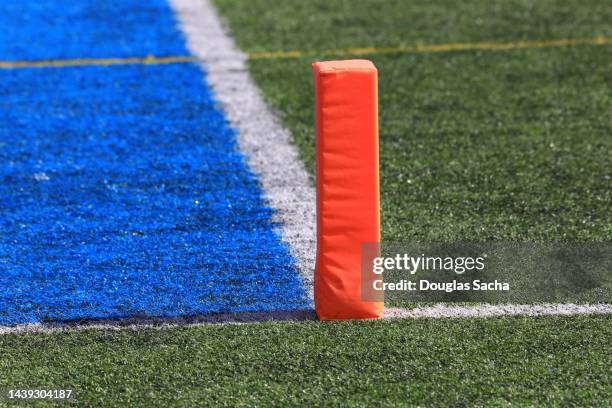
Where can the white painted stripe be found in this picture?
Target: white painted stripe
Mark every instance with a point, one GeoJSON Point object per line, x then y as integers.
{"type": "Point", "coordinates": [439, 311]}
{"type": "Point", "coordinates": [489, 310]}
{"type": "Point", "coordinates": [160, 322]}
{"type": "Point", "coordinates": [263, 141]}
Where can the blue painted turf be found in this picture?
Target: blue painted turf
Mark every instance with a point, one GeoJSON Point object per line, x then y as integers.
{"type": "Point", "coordinates": [122, 192]}
{"type": "Point", "coordinates": [49, 29]}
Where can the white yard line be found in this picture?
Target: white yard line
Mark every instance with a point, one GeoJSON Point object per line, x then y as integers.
{"type": "Point", "coordinates": [488, 310]}
{"type": "Point", "coordinates": [161, 322]}
{"type": "Point", "coordinates": [263, 141]}
{"type": "Point", "coordinates": [440, 311]}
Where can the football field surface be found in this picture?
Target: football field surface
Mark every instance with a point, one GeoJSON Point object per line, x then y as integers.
{"type": "Point", "coordinates": [123, 191]}
{"type": "Point", "coordinates": [135, 198]}
{"type": "Point", "coordinates": [476, 143]}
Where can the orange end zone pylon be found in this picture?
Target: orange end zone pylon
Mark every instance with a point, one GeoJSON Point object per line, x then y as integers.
{"type": "Point", "coordinates": [348, 204]}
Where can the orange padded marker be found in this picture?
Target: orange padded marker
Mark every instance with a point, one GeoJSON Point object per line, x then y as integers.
{"type": "Point", "coordinates": [348, 204]}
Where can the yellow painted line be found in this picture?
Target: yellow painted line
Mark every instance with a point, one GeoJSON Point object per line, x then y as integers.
{"type": "Point", "coordinates": [427, 48]}
{"type": "Point", "coordinates": [402, 49]}
{"type": "Point", "coordinates": [150, 60]}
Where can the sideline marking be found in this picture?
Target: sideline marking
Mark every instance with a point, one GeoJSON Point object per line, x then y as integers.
{"type": "Point", "coordinates": [442, 310]}
{"type": "Point", "coordinates": [438, 311]}
{"type": "Point", "coordinates": [432, 48]}
{"type": "Point", "coordinates": [103, 62]}
{"type": "Point", "coordinates": [259, 55]}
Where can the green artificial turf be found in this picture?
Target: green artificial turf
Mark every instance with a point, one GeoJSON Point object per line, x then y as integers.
{"type": "Point", "coordinates": [446, 362]}
{"type": "Point", "coordinates": [475, 145]}
{"type": "Point", "coordinates": [269, 25]}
